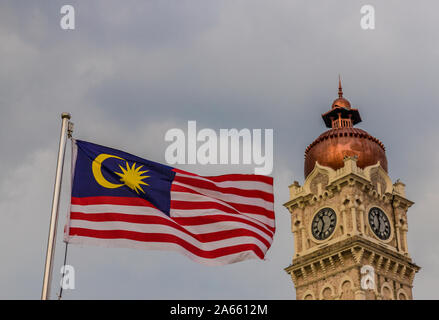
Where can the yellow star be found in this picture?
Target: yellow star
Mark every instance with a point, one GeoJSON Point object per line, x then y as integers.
{"type": "Point", "coordinates": [132, 177]}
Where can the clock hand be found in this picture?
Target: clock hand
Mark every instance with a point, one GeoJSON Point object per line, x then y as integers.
{"type": "Point", "coordinates": [321, 226]}
{"type": "Point", "coordinates": [327, 223]}
{"type": "Point", "coordinates": [381, 220]}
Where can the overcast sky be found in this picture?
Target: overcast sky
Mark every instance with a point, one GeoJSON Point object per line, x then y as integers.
{"type": "Point", "coordinates": [131, 70]}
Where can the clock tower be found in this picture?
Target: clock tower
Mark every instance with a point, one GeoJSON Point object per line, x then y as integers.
{"type": "Point", "coordinates": [348, 219]}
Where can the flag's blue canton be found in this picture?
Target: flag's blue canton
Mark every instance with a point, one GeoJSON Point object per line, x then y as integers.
{"type": "Point", "coordinates": [85, 184]}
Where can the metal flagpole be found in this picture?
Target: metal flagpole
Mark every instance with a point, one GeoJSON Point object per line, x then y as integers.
{"type": "Point", "coordinates": [45, 294]}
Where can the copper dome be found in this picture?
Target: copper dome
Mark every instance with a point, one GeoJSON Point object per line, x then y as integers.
{"type": "Point", "coordinates": [341, 103]}
{"type": "Point", "coordinates": [332, 146]}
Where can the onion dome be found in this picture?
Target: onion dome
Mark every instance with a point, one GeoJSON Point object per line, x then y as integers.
{"type": "Point", "coordinates": [330, 148]}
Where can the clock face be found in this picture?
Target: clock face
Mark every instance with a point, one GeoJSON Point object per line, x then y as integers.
{"type": "Point", "coordinates": [323, 224]}
{"type": "Point", "coordinates": [379, 223]}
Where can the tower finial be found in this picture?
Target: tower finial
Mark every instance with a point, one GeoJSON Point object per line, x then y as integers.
{"type": "Point", "coordinates": [340, 90]}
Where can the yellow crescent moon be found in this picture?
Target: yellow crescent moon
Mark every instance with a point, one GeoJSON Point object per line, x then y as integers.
{"type": "Point", "coordinates": [97, 172]}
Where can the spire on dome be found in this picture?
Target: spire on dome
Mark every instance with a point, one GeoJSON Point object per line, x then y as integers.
{"type": "Point", "coordinates": [340, 89]}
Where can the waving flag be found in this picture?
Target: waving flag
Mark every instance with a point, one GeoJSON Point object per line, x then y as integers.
{"type": "Point", "coordinates": [121, 200]}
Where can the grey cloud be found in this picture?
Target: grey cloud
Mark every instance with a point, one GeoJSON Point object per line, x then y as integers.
{"type": "Point", "coordinates": [134, 69]}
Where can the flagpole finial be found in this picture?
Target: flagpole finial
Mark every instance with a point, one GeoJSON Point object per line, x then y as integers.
{"type": "Point", "coordinates": [65, 115]}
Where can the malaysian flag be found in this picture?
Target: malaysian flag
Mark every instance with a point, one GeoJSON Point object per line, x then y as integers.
{"type": "Point", "coordinates": [121, 200]}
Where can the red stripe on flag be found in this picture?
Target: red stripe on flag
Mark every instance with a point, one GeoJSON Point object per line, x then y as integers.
{"type": "Point", "coordinates": [203, 220]}
{"type": "Point", "coordinates": [237, 208]}
{"type": "Point", "coordinates": [124, 201]}
{"type": "Point", "coordinates": [241, 177]}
